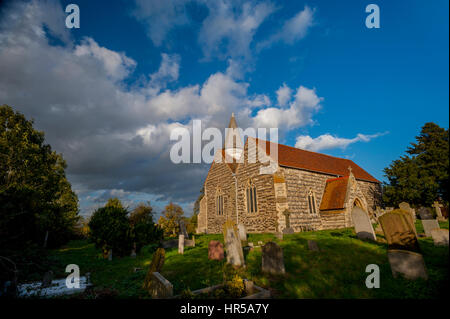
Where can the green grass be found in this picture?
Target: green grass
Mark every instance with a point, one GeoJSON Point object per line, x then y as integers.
{"type": "Point", "coordinates": [336, 271]}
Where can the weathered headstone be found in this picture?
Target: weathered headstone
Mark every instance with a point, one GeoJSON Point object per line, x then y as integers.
{"type": "Point", "coordinates": [429, 225]}
{"type": "Point", "coordinates": [279, 235]}
{"type": "Point", "coordinates": [160, 287]}
{"type": "Point", "coordinates": [133, 251]}
{"type": "Point", "coordinates": [437, 208]}
{"type": "Point", "coordinates": [363, 226]}
{"type": "Point", "coordinates": [409, 264]}
{"type": "Point", "coordinates": [233, 246]}
{"type": "Point", "coordinates": [440, 237]}
{"type": "Point", "coordinates": [425, 213]}
{"type": "Point", "coordinates": [183, 230]}
{"type": "Point", "coordinates": [47, 280]}
{"type": "Point", "coordinates": [288, 229]}
{"type": "Point", "coordinates": [399, 231]}
{"type": "Point", "coordinates": [406, 207]}
{"type": "Point", "coordinates": [215, 250]}
{"type": "Point", "coordinates": [155, 266]}
{"type": "Point", "coordinates": [181, 244]}
{"type": "Point", "coordinates": [312, 245]}
{"type": "Point", "coordinates": [110, 252]}
{"type": "Point", "coordinates": [242, 232]}
{"type": "Point", "coordinates": [190, 242]}
{"type": "Point", "coordinates": [272, 259]}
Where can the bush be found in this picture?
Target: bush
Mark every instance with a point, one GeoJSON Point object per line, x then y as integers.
{"type": "Point", "coordinates": [144, 230]}
{"type": "Point", "coordinates": [110, 229]}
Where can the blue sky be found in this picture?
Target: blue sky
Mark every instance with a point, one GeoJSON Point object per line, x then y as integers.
{"type": "Point", "coordinates": [382, 84]}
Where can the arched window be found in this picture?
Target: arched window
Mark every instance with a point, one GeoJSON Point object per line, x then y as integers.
{"type": "Point", "coordinates": [252, 202]}
{"type": "Point", "coordinates": [219, 203]}
{"type": "Point", "coordinates": [311, 203]}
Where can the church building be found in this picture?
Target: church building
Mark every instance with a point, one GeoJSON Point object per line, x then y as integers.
{"type": "Point", "coordinates": [302, 190]}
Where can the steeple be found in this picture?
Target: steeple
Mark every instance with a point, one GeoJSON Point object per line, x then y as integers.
{"type": "Point", "coordinates": [233, 141]}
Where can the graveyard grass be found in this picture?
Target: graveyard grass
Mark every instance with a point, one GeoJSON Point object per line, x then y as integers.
{"type": "Point", "coordinates": [336, 271]}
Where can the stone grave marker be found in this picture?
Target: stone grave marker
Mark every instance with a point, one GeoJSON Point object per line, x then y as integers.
{"type": "Point", "coordinates": [133, 251]}
{"type": "Point", "coordinates": [440, 237]}
{"type": "Point", "coordinates": [288, 229]}
{"type": "Point", "coordinates": [189, 242]}
{"type": "Point", "coordinates": [272, 259]}
{"type": "Point", "coordinates": [406, 207]}
{"type": "Point", "coordinates": [233, 246]}
{"type": "Point", "coordinates": [279, 235]}
{"type": "Point", "coordinates": [399, 231]}
{"type": "Point", "coordinates": [181, 244]}
{"type": "Point", "coordinates": [429, 225]}
{"type": "Point", "coordinates": [110, 252]}
{"type": "Point", "coordinates": [183, 230]}
{"type": "Point", "coordinates": [160, 287]}
{"type": "Point", "coordinates": [215, 250]}
{"type": "Point", "coordinates": [242, 232]}
{"type": "Point", "coordinates": [155, 266]}
{"type": "Point", "coordinates": [312, 245]}
{"type": "Point", "coordinates": [407, 263]}
{"type": "Point", "coordinates": [425, 213]}
{"type": "Point", "coordinates": [438, 210]}
{"type": "Point", "coordinates": [363, 226]}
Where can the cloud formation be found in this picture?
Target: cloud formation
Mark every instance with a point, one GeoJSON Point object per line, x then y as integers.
{"type": "Point", "coordinates": [328, 141]}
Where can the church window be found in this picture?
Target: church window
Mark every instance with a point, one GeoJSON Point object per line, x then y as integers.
{"type": "Point", "coordinates": [311, 203]}
{"type": "Point", "coordinates": [252, 202]}
{"type": "Point", "coordinates": [219, 203]}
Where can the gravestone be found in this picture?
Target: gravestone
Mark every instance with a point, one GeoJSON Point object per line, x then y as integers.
{"type": "Point", "coordinates": [160, 287]}
{"type": "Point", "coordinates": [183, 230]}
{"type": "Point", "coordinates": [429, 225]}
{"type": "Point", "coordinates": [233, 246]}
{"type": "Point", "coordinates": [215, 250]}
{"type": "Point", "coordinates": [399, 231]}
{"type": "Point", "coordinates": [242, 232]}
{"type": "Point", "coordinates": [133, 251]}
{"type": "Point", "coordinates": [288, 229]}
{"type": "Point", "coordinates": [363, 226]}
{"type": "Point", "coordinates": [110, 254]}
{"type": "Point", "coordinates": [47, 280]}
{"type": "Point", "coordinates": [279, 235]}
{"type": "Point", "coordinates": [312, 245]}
{"type": "Point", "coordinates": [409, 264]}
{"type": "Point", "coordinates": [181, 244]}
{"type": "Point", "coordinates": [440, 237]}
{"type": "Point", "coordinates": [155, 266]}
{"type": "Point", "coordinates": [425, 213]}
{"type": "Point", "coordinates": [438, 210]}
{"type": "Point", "coordinates": [406, 207]}
{"type": "Point", "coordinates": [272, 259]}
{"type": "Point", "coordinates": [189, 242]}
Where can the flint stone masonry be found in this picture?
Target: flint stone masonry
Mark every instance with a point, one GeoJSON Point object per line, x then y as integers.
{"type": "Point", "coordinates": [407, 264]}
{"type": "Point", "coordinates": [160, 287]}
{"type": "Point", "coordinates": [363, 226]}
{"type": "Point", "coordinates": [272, 259]}
{"type": "Point", "coordinates": [429, 225]}
{"type": "Point", "coordinates": [440, 237]}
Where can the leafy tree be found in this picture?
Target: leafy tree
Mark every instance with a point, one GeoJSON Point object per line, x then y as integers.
{"type": "Point", "coordinates": [114, 202]}
{"type": "Point", "coordinates": [170, 220]}
{"type": "Point", "coordinates": [35, 197]}
{"type": "Point", "coordinates": [110, 229]}
{"type": "Point", "coordinates": [421, 176]}
{"type": "Point", "coordinates": [144, 230]}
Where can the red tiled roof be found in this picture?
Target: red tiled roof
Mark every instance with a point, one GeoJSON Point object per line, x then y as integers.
{"type": "Point", "coordinates": [297, 158]}
{"type": "Point", "coordinates": [334, 195]}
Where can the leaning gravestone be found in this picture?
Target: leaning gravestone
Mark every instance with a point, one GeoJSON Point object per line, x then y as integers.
{"type": "Point", "coordinates": [363, 226]}
{"type": "Point", "coordinates": [272, 259]}
{"type": "Point", "coordinates": [407, 263]}
{"type": "Point", "coordinates": [399, 231]}
{"type": "Point", "coordinates": [242, 232]}
{"type": "Point", "coordinates": [155, 266]}
{"type": "Point", "coordinates": [233, 246]}
{"type": "Point", "coordinates": [425, 213]}
{"type": "Point", "coordinates": [160, 287]}
{"type": "Point", "coordinates": [403, 246]}
{"type": "Point", "coordinates": [215, 250]}
{"type": "Point", "coordinates": [429, 225]}
{"type": "Point", "coordinates": [406, 207]}
{"type": "Point", "coordinates": [181, 244]}
{"type": "Point", "coordinates": [440, 237]}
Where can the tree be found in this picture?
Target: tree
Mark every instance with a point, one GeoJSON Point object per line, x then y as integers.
{"type": "Point", "coordinates": [421, 176]}
{"type": "Point", "coordinates": [144, 230]}
{"type": "Point", "coordinates": [170, 220]}
{"type": "Point", "coordinates": [36, 200]}
{"type": "Point", "coordinates": [110, 229]}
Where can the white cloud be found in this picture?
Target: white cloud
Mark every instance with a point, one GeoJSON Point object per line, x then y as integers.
{"type": "Point", "coordinates": [294, 29]}
{"type": "Point", "coordinates": [328, 141]}
{"type": "Point", "coordinates": [284, 94]}
{"type": "Point", "coordinates": [299, 113]}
